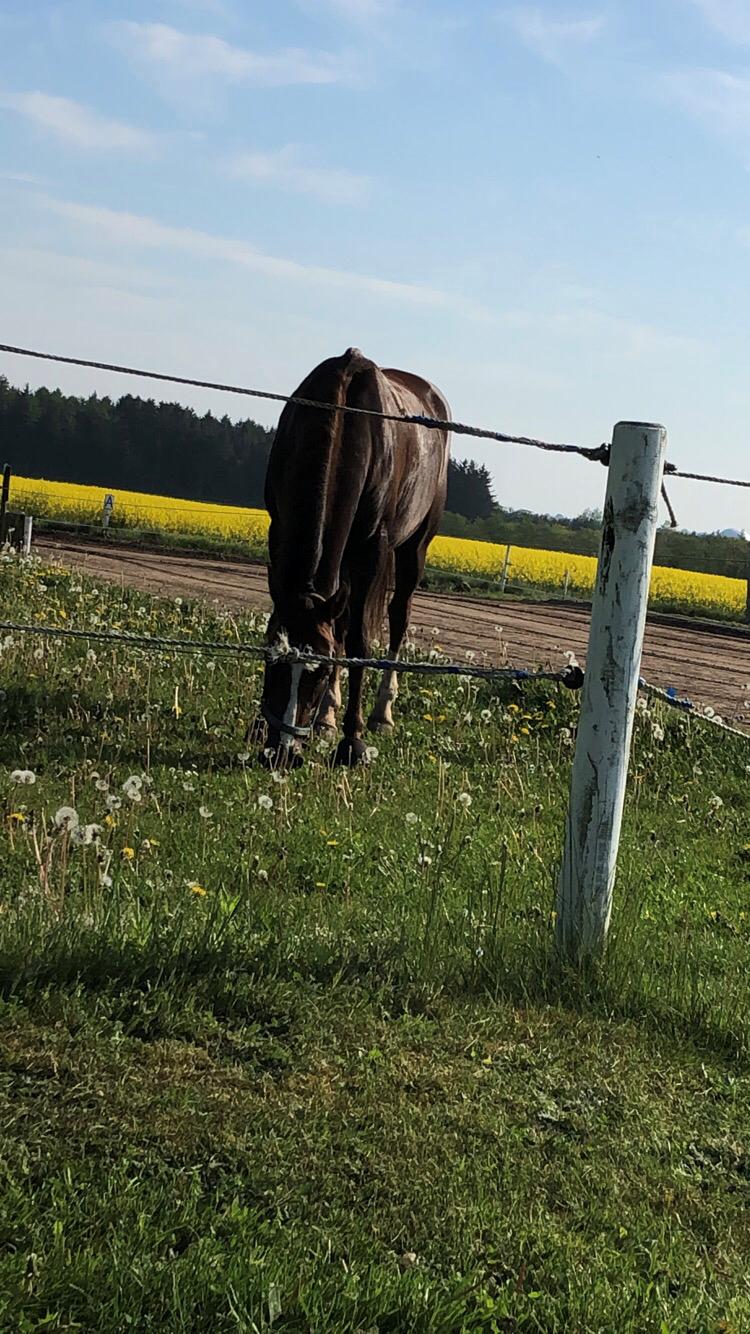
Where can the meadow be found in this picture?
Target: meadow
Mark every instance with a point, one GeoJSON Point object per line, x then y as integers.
{"type": "Point", "coordinates": [294, 1053]}
{"type": "Point", "coordinates": [536, 571]}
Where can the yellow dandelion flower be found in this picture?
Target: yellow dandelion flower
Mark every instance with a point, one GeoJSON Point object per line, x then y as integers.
{"type": "Point", "coordinates": [427, 717]}
{"type": "Point", "coordinates": [333, 843]}
{"type": "Point", "coordinates": [17, 817]}
{"type": "Point", "coordinates": [197, 889]}
{"type": "Point", "coordinates": [128, 854]}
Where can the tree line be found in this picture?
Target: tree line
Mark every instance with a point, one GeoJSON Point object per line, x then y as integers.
{"type": "Point", "coordinates": [138, 444]}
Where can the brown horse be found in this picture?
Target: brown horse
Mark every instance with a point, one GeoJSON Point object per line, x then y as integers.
{"type": "Point", "coordinates": [354, 503]}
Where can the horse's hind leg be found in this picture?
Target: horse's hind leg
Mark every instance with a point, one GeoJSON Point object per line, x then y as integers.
{"type": "Point", "coordinates": [410, 559]}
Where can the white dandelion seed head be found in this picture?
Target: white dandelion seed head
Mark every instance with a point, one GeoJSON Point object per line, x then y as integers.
{"type": "Point", "coordinates": [205, 813]}
{"type": "Point", "coordinates": [101, 785]}
{"type": "Point", "coordinates": [411, 817]}
{"type": "Point", "coordinates": [262, 875]}
{"type": "Point", "coordinates": [278, 777]}
{"type": "Point", "coordinates": [265, 802]}
{"type": "Point", "coordinates": [243, 756]}
{"type": "Point", "coordinates": [657, 731]}
{"type": "Point", "coordinates": [66, 818]}
{"type": "Point", "coordinates": [132, 787]}
{"type": "Point", "coordinates": [715, 802]}
{"type": "Point", "coordinates": [371, 754]}
{"type": "Point", "coordinates": [86, 834]}
{"type": "Point", "coordinates": [464, 799]}
{"type": "Point", "coordinates": [486, 715]}
{"type": "Point", "coordinates": [24, 777]}
{"type": "Point", "coordinates": [105, 880]}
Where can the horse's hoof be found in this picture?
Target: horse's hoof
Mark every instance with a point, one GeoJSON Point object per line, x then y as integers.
{"type": "Point", "coordinates": [326, 731]}
{"type": "Point", "coordinates": [380, 726]}
{"type": "Point", "coordinates": [350, 752]}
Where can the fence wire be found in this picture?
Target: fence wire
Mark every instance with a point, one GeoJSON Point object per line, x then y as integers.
{"type": "Point", "coordinates": [572, 676]}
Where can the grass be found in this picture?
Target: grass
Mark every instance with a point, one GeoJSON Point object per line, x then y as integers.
{"type": "Point", "coordinates": [314, 1067]}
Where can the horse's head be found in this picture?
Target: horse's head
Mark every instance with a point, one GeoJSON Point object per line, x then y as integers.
{"type": "Point", "coordinates": [293, 691]}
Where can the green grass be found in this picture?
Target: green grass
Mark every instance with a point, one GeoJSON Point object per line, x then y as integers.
{"type": "Point", "coordinates": [347, 1087]}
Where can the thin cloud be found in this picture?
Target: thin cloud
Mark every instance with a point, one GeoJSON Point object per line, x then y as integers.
{"type": "Point", "coordinates": [715, 98]}
{"type": "Point", "coordinates": [167, 50]}
{"type": "Point", "coordinates": [552, 38]}
{"type": "Point", "coordinates": [283, 170]}
{"type": "Point", "coordinates": [134, 230]}
{"type": "Point", "coordinates": [76, 125]}
{"type": "Point", "coordinates": [730, 18]}
{"type": "Point", "coordinates": [358, 12]}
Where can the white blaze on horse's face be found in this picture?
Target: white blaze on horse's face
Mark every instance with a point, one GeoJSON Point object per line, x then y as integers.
{"type": "Point", "coordinates": [290, 713]}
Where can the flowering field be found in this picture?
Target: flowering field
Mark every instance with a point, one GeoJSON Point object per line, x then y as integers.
{"type": "Point", "coordinates": [543, 570]}
{"type": "Point", "coordinates": [292, 1052]}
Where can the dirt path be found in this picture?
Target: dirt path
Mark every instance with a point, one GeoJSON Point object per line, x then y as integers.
{"type": "Point", "coordinates": [709, 663]}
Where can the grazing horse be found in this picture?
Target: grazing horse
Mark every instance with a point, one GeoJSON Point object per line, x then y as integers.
{"type": "Point", "coordinates": [354, 503]}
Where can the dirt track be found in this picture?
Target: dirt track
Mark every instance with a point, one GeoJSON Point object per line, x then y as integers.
{"type": "Point", "coordinates": [709, 663]}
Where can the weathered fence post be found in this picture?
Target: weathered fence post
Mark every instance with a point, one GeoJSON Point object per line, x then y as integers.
{"type": "Point", "coordinates": [746, 536]}
{"type": "Point", "coordinates": [28, 528]}
{"type": "Point", "coordinates": [618, 618]}
{"type": "Point", "coordinates": [4, 495]}
{"type": "Point", "coordinates": [506, 567]}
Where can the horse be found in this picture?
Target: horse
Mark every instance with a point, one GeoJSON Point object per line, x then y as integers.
{"type": "Point", "coordinates": [354, 502]}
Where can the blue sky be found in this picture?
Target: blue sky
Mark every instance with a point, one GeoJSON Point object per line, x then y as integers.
{"type": "Point", "coordinates": [541, 207]}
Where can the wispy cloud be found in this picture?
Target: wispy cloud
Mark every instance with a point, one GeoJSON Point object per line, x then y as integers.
{"type": "Point", "coordinates": [284, 170]}
{"type": "Point", "coordinates": [550, 38]}
{"type": "Point", "coordinates": [716, 98]}
{"type": "Point", "coordinates": [360, 12]}
{"type": "Point", "coordinates": [183, 56]}
{"type": "Point", "coordinates": [77, 125]}
{"type": "Point", "coordinates": [730, 18]}
{"type": "Point", "coordinates": [131, 230]}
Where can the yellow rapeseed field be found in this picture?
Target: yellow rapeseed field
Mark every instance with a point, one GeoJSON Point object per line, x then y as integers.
{"type": "Point", "coordinates": [539, 569]}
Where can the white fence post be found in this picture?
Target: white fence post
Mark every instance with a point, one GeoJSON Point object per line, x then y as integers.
{"type": "Point", "coordinates": [506, 567]}
{"type": "Point", "coordinates": [28, 528]}
{"type": "Point", "coordinates": [618, 619]}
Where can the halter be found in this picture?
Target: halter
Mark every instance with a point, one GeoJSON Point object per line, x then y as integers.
{"type": "Point", "coordinates": [295, 730]}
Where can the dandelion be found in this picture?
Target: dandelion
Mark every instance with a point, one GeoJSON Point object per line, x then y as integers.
{"type": "Point", "coordinates": [371, 754]}
{"type": "Point", "coordinates": [715, 802]}
{"type": "Point", "coordinates": [105, 880]}
{"type": "Point", "coordinates": [263, 875]}
{"type": "Point", "coordinates": [132, 788]}
{"type": "Point", "coordinates": [23, 777]}
{"type": "Point", "coordinates": [112, 802]}
{"type": "Point", "coordinates": [244, 756]}
{"type": "Point", "coordinates": [278, 777]}
{"type": "Point", "coordinates": [265, 802]}
{"type": "Point", "coordinates": [205, 813]}
{"type": "Point", "coordinates": [411, 817]}
{"type": "Point", "coordinates": [196, 888]}
{"type": "Point", "coordinates": [127, 854]}
{"type": "Point", "coordinates": [85, 834]}
{"type": "Point", "coordinates": [188, 787]}
{"type": "Point", "coordinates": [486, 715]}
{"type": "Point", "coordinates": [66, 818]}
{"type": "Point", "coordinates": [464, 799]}
{"type": "Point", "coordinates": [101, 785]}
{"type": "Point", "coordinates": [657, 731]}
{"type": "Point", "coordinates": [424, 860]}
{"type": "Point", "coordinates": [566, 736]}
{"type": "Point", "coordinates": [17, 817]}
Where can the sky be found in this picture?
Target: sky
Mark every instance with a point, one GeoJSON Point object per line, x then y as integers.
{"type": "Point", "coordinates": [542, 208]}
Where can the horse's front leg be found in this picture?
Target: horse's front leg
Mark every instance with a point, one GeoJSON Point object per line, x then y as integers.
{"type": "Point", "coordinates": [351, 749]}
{"type": "Point", "coordinates": [326, 720]}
